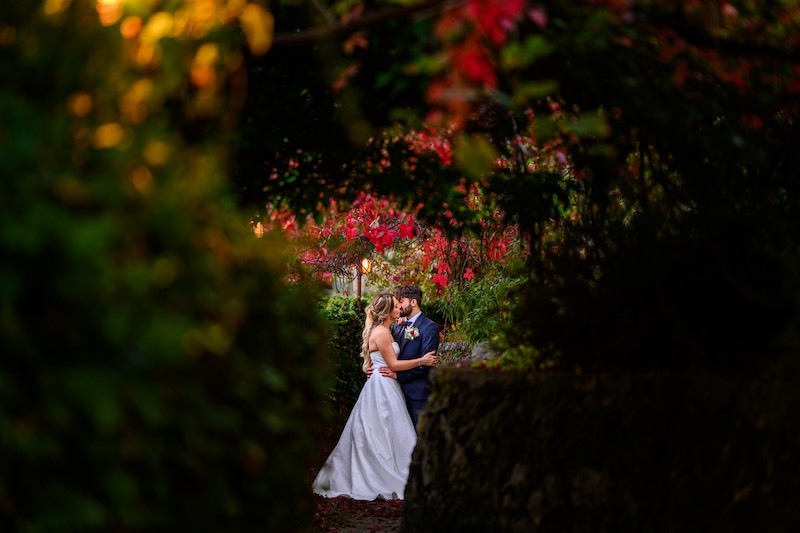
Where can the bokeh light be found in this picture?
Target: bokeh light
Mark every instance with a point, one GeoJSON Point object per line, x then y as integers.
{"type": "Point", "coordinates": [108, 135]}
{"type": "Point", "coordinates": [142, 179]}
{"type": "Point", "coordinates": [156, 153]}
{"type": "Point", "coordinates": [8, 34]}
{"type": "Point", "coordinates": [109, 11]}
{"type": "Point", "coordinates": [130, 27]}
{"type": "Point", "coordinates": [159, 25]}
{"type": "Point", "coordinates": [80, 104]}
{"type": "Point", "coordinates": [203, 73]}
{"type": "Point", "coordinates": [259, 229]}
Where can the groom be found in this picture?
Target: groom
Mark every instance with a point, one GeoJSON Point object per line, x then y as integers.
{"type": "Point", "coordinates": [417, 335]}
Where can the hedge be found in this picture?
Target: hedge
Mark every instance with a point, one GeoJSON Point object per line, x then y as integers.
{"type": "Point", "coordinates": [157, 373]}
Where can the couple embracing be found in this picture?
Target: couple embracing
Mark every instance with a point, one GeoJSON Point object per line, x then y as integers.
{"type": "Point", "coordinates": [373, 455]}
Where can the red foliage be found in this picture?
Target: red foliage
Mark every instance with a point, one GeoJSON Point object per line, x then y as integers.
{"type": "Point", "coordinates": [472, 62]}
{"type": "Point", "coordinates": [421, 141]}
{"type": "Point", "coordinates": [488, 24]}
{"type": "Point", "coordinates": [342, 240]}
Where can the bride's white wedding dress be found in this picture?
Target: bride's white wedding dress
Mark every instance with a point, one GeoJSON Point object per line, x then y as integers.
{"type": "Point", "coordinates": [373, 454]}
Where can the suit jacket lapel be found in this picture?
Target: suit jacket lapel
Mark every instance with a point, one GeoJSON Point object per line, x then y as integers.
{"type": "Point", "coordinates": [403, 339]}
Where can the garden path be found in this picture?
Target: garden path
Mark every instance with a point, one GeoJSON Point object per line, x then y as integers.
{"type": "Point", "coordinates": [344, 515]}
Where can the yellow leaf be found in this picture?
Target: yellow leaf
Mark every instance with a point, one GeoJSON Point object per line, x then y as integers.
{"type": "Point", "coordinates": [53, 7]}
{"type": "Point", "coordinates": [156, 153]}
{"type": "Point", "coordinates": [259, 26]}
{"type": "Point", "coordinates": [160, 25]}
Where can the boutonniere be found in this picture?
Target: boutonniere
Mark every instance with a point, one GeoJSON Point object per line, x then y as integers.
{"type": "Point", "coordinates": [411, 333]}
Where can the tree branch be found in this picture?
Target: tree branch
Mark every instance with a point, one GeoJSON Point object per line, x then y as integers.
{"type": "Point", "coordinates": [330, 20]}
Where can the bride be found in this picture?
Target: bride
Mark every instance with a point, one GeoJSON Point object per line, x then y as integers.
{"type": "Point", "coordinates": [372, 457]}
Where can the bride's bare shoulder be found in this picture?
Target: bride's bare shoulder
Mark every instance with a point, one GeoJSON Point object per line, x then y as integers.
{"type": "Point", "coordinates": [380, 333]}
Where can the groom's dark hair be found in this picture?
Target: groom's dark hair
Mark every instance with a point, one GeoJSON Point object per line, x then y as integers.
{"type": "Point", "coordinates": [410, 292]}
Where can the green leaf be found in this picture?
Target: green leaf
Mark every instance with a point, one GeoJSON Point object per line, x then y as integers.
{"type": "Point", "coordinates": [545, 128]}
{"type": "Point", "coordinates": [519, 55]}
{"type": "Point", "coordinates": [474, 155]}
{"type": "Point", "coordinates": [590, 125]}
{"type": "Point", "coordinates": [94, 393]}
{"type": "Point", "coordinates": [533, 90]}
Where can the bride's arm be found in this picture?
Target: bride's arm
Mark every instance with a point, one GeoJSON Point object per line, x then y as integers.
{"type": "Point", "coordinates": [384, 341]}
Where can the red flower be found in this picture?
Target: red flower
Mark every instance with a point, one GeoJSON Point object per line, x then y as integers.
{"type": "Point", "coordinates": [444, 151]}
{"type": "Point", "coordinates": [468, 274]}
{"type": "Point", "coordinates": [538, 16]}
{"type": "Point", "coordinates": [351, 232]}
{"type": "Point", "coordinates": [496, 18]}
{"type": "Point", "coordinates": [388, 238]}
{"type": "Point", "coordinates": [473, 63]}
{"type": "Point", "coordinates": [407, 228]}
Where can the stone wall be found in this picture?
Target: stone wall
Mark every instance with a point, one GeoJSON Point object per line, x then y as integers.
{"type": "Point", "coordinates": [501, 451]}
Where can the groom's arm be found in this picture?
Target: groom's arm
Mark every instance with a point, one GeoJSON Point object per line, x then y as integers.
{"type": "Point", "coordinates": [430, 342]}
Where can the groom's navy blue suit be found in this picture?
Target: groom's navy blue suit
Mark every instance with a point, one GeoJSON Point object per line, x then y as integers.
{"type": "Point", "coordinates": [414, 382]}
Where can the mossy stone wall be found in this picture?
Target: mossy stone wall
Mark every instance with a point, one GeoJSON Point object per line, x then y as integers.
{"type": "Point", "coordinates": [508, 451]}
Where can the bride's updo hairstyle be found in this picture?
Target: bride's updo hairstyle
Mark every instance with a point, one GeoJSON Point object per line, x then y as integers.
{"type": "Point", "coordinates": [381, 307]}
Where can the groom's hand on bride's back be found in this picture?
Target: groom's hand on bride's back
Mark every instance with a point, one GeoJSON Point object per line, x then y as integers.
{"type": "Point", "coordinates": [387, 372]}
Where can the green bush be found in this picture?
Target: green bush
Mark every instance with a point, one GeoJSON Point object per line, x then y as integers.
{"type": "Point", "coordinates": [156, 371]}
{"type": "Point", "coordinates": [345, 317]}
{"type": "Point", "coordinates": [479, 310]}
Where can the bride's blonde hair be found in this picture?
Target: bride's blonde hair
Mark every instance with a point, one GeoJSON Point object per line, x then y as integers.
{"type": "Point", "coordinates": [381, 307]}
